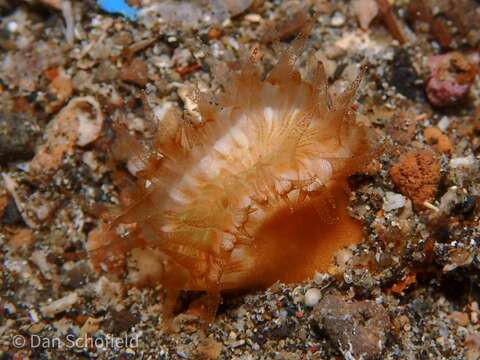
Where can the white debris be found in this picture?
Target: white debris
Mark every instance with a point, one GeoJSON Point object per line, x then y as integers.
{"type": "Point", "coordinates": [34, 316]}
{"type": "Point", "coordinates": [362, 43]}
{"type": "Point", "coordinates": [39, 258]}
{"type": "Point", "coordinates": [365, 11]}
{"type": "Point", "coordinates": [338, 19]}
{"type": "Point", "coordinates": [393, 201]}
{"type": "Point", "coordinates": [12, 26]}
{"type": "Point", "coordinates": [321, 278]}
{"type": "Point", "coordinates": [89, 128]}
{"type": "Point", "coordinates": [466, 161]}
{"type": "Point", "coordinates": [444, 123]}
{"type": "Point", "coordinates": [108, 291]}
{"type": "Point", "coordinates": [312, 297]}
{"type": "Point", "coordinates": [8, 325]}
{"type": "Point", "coordinates": [60, 305]}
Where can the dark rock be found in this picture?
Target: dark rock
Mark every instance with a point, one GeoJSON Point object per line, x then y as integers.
{"type": "Point", "coordinates": [6, 356]}
{"type": "Point", "coordinates": [18, 133]}
{"type": "Point", "coordinates": [466, 207]}
{"type": "Point", "coordinates": [6, 7]}
{"type": "Point", "coordinates": [280, 332]}
{"type": "Point", "coordinates": [359, 328]}
{"type": "Point", "coordinates": [404, 76]}
{"type": "Point", "coordinates": [11, 215]}
{"type": "Point", "coordinates": [442, 234]}
{"type": "Point", "coordinates": [121, 321]}
{"type": "Point", "coordinates": [77, 276]}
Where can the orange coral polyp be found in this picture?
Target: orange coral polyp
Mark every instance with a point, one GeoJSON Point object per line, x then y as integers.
{"type": "Point", "coordinates": [254, 194]}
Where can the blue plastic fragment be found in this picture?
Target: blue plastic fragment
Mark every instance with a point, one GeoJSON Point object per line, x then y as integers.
{"type": "Point", "coordinates": [118, 7]}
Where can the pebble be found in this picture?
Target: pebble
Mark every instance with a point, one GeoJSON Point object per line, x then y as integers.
{"type": "Point", "coordinates": [321, 278]}
{"type": "Point", "coordinates": [12, 26]}
{"type": "Point", "coordinates": [254, 18]}
{"type": "Point", "coordinates": [359, 328]}
{"type": "Point", "coordinates": [444, 123]}
{"type": "Point", "coordinates": [393, 201]}
{"type": "Point", "coordinates": [474, 317]}
{"type": "Point", "coordinates": [18, 133]}
{"type": "Point", "coordinates": [338, 19]}
{"type": "Point", "coordinates": [404, 76]}
{"type": "Point", "coordinates": [60, 305]}
{"type": "Point", "coordinates": [163, 61]}
{"type": "Point", "coordinates": [135, 72]}
{"type": "Point", "coordinates": [11, 215]}
{"type": "Point", "coordinates": [334, 52]}
{"type": "Point", "coordinates": [365, 11]}
{"type": "Point", "coordinates": [312, 297]}
{"type": "Point", "coordinates": [466, 161]}
{"type": "Point", "coordinates": [9, 308]}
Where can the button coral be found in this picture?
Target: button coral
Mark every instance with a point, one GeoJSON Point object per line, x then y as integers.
{"type": "Point", "coordinates": [255, 193]}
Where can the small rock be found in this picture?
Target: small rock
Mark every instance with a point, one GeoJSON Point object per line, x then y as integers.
{"type": "Point", "coordinates": [338, 19]}
{"type": "Point", "coordinates": [253, 18]}
{"type": "Point", "coordinates": [402, 126]}
{"type": "Point", "coordinates": [404, 76]}
{"type": "Point", "coordinates": [444, 123]}
{"type": "Point", "coordinates": [312, 297]}
{"type": "Point", "coordinates": [334, 52]}
{"type": "Point", "coordinates": [214, 33]}
{"type": "Point", "coordinates": [9, 309]}
{"type": "Point", "coordinates": [90, 326]}
{"type": "Point", "coordinates": [210, 349]}
{"type": "Point", "coordinates": [76, 276]}
{"type": "Point", "coordinates": [121, 321]}
{"type": "Point", "coordinates": [235, 7]}
{"type": "Point", "coordinates": [280, 332]}
{"type": "Point", "coordinates": [329, 65]}
{"type": "Point", "coordinates": [460, 318]}
{"type": "Point", "coordinates": [18, 134]}
{"type": "Point", "coordinates": [472, 346]}
{"type": "Point", "coordinates": [60, 305]}
{"type": "Point", "coordinates": [459, 257]}
{"type": "Point", "coordinates": [24, 67]}
{"type": "Point", "coordinates": [4, 200]}
{"type": "Point", "coordinates": [365, 11]}
{"type": "Point", "coordinates": [135, 72]}
{"type": "Point", "coordinates": [467, 206]}
{"type": "Point", "coordinates": [60, 90]}
{"type": "Point", "coordinates": [106, 72]}
{"type": "Point", "coordinates": [108, 291]}
{"type": "Point", "coordinates": [11, 215]}
{"type": "Point", "coordinates": [184, 12]}
{"type": "Point", "coordinates": [458, 162]}
{"type": "Point", "coordinates": [359, 328]}
{"type": "Point", "coordinates": [39, 258]}
{"type": "Point", "coordinates": [22, 237]}
{"type": "Point", "coordinates": [393, 201]}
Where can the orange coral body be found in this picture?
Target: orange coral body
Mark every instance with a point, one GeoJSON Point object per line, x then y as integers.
{"type": "Point", "coordinates": [254, 194]}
